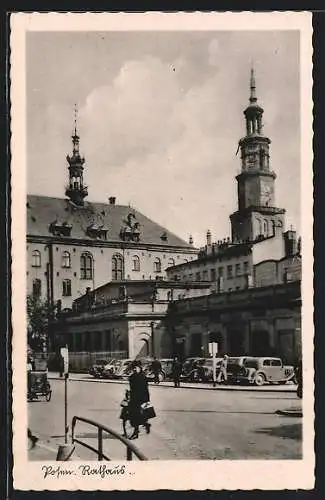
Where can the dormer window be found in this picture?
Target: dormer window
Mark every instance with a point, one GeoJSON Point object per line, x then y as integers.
{"type": "Point", "coordinates": [131, 229]}
{"type": "Point", "coordinates": [60, 228]}
{"type": "Point", "coordinates": [97, 231]}
{"type": "Point", "coordinates": [164, 236]}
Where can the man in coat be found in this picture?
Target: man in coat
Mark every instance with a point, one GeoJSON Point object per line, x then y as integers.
{"type": "Point", "coordinates": [156, 369]}
{"type": "Point", "coordinates": [139, 394]}
{"type": "Point", "coordinates": [176, 371]}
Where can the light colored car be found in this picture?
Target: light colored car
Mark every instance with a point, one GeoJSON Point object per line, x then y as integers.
{"type": "Point", "coordinates": [110, 368]}
{"type": "Point", "coordinates": [123, 368]}
{"type": "Point", "coordinates": [261, 370]}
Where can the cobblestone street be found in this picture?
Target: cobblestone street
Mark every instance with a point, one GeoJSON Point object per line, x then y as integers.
{"type": "Point", "coordinates": [190, 423]}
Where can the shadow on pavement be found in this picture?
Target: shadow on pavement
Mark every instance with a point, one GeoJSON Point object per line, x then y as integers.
{"type": "Point", "coordinates": [291, 431]}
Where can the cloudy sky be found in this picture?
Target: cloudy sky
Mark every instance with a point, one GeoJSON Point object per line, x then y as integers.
{"type": "Point", "coordinates": [160, 116]}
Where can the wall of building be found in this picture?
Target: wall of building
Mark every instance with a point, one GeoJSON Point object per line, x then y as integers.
{"type": "Point", "coordinates": [102, 264]}
{"type": "Point", "coordinates": [270, 248]}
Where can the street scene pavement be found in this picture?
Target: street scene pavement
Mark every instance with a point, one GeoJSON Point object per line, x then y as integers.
{"type": "Point", "coordinates": [191, 424]}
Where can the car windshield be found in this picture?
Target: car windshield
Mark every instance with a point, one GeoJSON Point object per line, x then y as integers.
{"type": "Point", "coordinates": [251, 363]}
{"type": "Point", "coordinates": [101, 362]}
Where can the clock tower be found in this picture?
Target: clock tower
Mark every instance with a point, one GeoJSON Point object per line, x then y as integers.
{"type": "Point", "coordinates": [256, 217]}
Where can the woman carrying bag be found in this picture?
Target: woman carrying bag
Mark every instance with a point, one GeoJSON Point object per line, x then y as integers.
{"type": "Point", "coordinates": [140, 410]}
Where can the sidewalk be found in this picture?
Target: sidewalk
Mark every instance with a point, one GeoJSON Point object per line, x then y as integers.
{"type": "Point", "coordinates": [84, 377]}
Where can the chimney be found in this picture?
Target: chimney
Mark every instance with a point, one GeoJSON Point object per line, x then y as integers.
{"type": "Point", "coordinates": [112, 200]}
{"type": "Point", "coordinates": [209, 240]}
{"type": "Point", "coordinates": [190, 240]}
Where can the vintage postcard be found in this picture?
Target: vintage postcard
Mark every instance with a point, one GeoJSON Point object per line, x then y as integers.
{"type": "Point", "coordinates": [162, 251]}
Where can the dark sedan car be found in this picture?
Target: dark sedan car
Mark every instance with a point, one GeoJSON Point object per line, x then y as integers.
{"type": "Point", "coordinates": [96, 370]}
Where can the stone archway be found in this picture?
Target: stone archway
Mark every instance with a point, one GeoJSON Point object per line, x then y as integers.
{"type": "Point", "coordinates": [144, 347]}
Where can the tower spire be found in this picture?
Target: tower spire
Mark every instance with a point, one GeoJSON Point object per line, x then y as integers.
{"type": "Point", "coordinates": [252, 97]}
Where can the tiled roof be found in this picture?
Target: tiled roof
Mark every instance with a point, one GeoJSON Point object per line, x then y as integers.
{"type": "Point", "coordinates": [42, 211]}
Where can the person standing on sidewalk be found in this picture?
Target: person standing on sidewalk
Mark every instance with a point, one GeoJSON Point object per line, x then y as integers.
{"type": "Point", "coordinates": [176, 371]}
{"type": "Point", "coordinates": [139, 394]}
{"type": "Point", "coordinates": [223, 376]}
{"type": "Point", "coordinates": [156, 369]}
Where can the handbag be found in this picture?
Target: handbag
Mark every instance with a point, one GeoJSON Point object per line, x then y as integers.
{"type": "Point", "coordinates": [147, 410]}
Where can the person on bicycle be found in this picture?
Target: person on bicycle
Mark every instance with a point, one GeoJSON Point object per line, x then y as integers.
{"type": "Point", "coordinates": [156, 369]}
{"type": "Point", "coordinates": [139, 394]}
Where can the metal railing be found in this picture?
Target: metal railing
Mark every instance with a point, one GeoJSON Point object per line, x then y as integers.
{"type": "Point", "coordinates": [130, 448]}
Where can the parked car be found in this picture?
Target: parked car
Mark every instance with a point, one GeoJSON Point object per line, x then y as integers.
{"type": "Point", "coordinates": [205, 369]}
{"type": "Point", "coordinates": [199, 369]}
{"type": "Point", "coordinates": [235, 368]}
{"type": "Point", "coordinates": [189, 371]}
{"type": "Point", "coordinates": [165, 373]}
{"type": "Point", "coordinates": [97, 369]}
{"type": "Point", "coordinates": [123, 368]}
{"type": "Point", "coordinates": [261, 370]}
{"type": "Point", "coordinates": [110, 368]}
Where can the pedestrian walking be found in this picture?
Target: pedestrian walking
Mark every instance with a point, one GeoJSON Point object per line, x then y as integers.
{"type": "Point", "coordinates": [139, 394]}
{"type": "Point", "coordinates": [223, 376]}
{"type": "Point", "coordinates": [176, 371]}
{"type": "Point", "coordinates": [156, 369]}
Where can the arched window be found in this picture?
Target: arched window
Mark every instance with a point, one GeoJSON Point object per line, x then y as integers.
{"type": "Point", "coordinates": [273, 227]}
{"type": "Point", "coordinates": [136, 263]}
{"type": "Point", "coordinates": [117, 267]}
{"type": "Point", "coordinates": [86, 266]}
{"type": "Point", "coordinates": [36, 258]}
{"type": "Point", "coordinates": [259, 222]}
{"type": "Point", "coordinates": [66, 288]}
{"type": "Point", "coordinates": [171, 262]}
{"type": "Point", "coordinates": [66, 260]}
{"type": "Point", "coordinates": [157, 265]}
{"type": "Point", "coordinates": [37, 288]}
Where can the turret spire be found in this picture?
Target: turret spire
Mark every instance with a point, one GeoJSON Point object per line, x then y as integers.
{"type": "Point", "coordinates": [75, 119]}
{"type": "Point", "coordinates": [76, 190]}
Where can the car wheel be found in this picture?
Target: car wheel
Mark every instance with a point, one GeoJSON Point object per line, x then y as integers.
{"type": "Point", "coordinates": [259, 379]}
{"type": "Point", "coordinates": [161, 376]}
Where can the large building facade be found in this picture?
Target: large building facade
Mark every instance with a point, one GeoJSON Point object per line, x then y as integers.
{"type": "Point", "coordinates": [73, 244]}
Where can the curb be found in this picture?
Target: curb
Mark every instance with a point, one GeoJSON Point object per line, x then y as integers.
{"type": "Point", "coordinates": [208, 388]}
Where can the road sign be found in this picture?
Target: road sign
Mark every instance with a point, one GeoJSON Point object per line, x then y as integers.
{"type": "Point", "coordinates": [213, 348]}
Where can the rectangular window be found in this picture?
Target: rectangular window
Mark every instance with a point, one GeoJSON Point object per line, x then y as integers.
{"type": "Point", "coordinates": [205, 276]}
{"type": "Point", "coordinates": [37, 288]}
{"type": "Point", "coordinates": [237, 269]}
{"type": "Point", "coordinates": [229, 271]}
{"type": "Point", "coordinates": [198, 276]}
{"type": "Point", "coordinates": [246, 267]}
{"type": "Point", "coordinates": [190, 277]}
{"type": "Point", "coordinates": [66, 288]}
{"type": "Point", "coordinates": [213, 274]}
{"type": "Point", "coordinates": [220, 272]}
